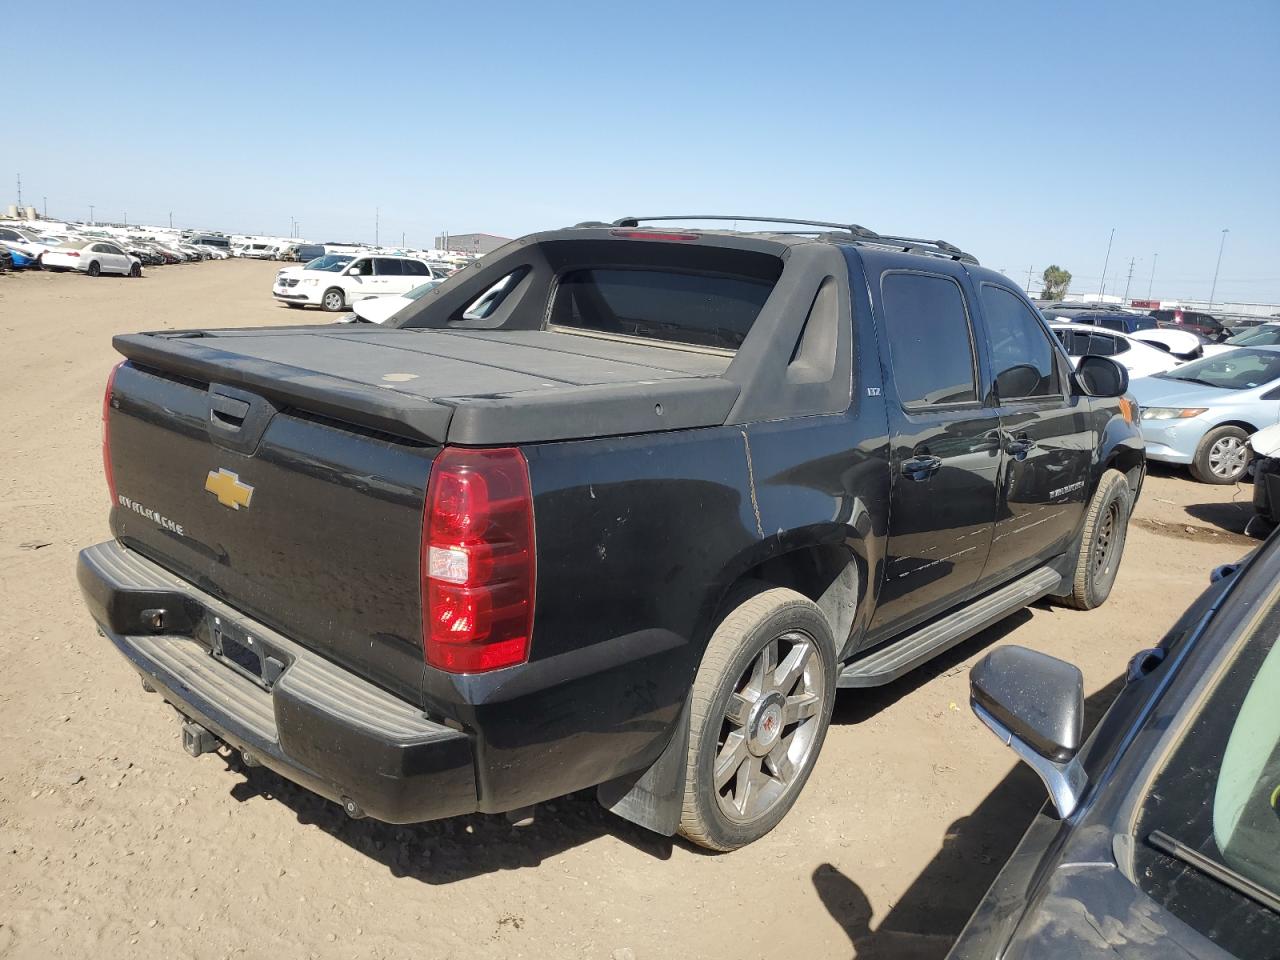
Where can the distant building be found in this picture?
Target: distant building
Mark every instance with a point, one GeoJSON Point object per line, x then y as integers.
{"type": "Point", "coordinates": [475, 243]}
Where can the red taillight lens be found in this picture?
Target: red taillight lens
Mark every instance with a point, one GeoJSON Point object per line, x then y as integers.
{"type": "Point", "coordinates": [72, 253]}
{"type": "Point", "coordinates": [106, 431]}
{"type": "Point", "coordinates": [478, 564]}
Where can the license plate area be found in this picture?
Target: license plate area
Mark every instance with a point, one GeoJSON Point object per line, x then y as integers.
{"type": "Point", "coordinates": [246, 653]}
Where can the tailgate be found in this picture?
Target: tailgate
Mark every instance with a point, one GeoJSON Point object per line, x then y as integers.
{"type": "Point", "coordinates": [308, 524]}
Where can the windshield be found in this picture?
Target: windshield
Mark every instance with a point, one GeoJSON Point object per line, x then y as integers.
{"type": "Point", "coordinates": [1240, 369]}
{"type": "Point", "coordinates": [330, 263]}
{"type": "Point", "coordinates": [1210, 823]}
{"type": "Point", "coordinates": [423, 290]}
{"type": "Point", "coordinates": [1266, 334]}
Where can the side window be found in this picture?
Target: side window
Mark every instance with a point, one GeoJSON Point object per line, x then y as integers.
{"type": "Point", "coordinates": [1021, 354]}
{"type": "Point", "coordinates": [930, 343]}
{"type": "Point", "coordinates": [8, 235]}
{"type": "Point", "coordinates": [1122, 345]}
{"type": "Point", "coordinates": [1100, 345]}
{"type": "Point", "coordinates": [415, 268]}
{"type": "Point", "coordinates": [388, 267]}
{"type": "Point", "coordinates": [362, 268]}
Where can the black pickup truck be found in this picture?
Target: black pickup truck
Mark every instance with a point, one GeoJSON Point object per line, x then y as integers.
{"type": "Point", "coordinates": [619, 506]}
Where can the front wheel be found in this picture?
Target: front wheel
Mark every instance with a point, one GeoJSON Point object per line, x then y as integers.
{"type": "Point", "coordinates": [94, 270]}
{"type": "Point", "coordinates": [135, 270]}
{"type": "Point", "coordinates": [334, 301]}
{"type": "Point", "coordinates": [1222, 457]}
{"type": "Point", "coordinates": [760, 707]}
{"type": "Point", "coordinates": [1106, 525]}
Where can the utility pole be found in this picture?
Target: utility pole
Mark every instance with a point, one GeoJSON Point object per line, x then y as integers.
{"type": "Point", "coordinates": [402, 239]}
{"type": "Point", "coordinates": [376, 215]}
{"type": "Point", "coordinates": [1214, 289]}
{"type": "Point", "coordinates": [170, 219]}
{"type": "Point", "coordinates": [1029, 272]}
{"type": "Point", "coordinates": [1152, 282]}
{"type": "Point", "coordinates": [19, 190]}
{"type": "Point", "coordinates": [126, 218]}
{"type": "Point", "coordinates": [1102, 285]}
{"type": "Point", "coordinates": [46, 207]}
{"type": "Point", "coordinates": [1128, 281]}
{"type": "Point", "coordinates": [91, 220]}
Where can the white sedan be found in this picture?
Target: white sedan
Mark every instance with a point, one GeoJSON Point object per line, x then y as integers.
{"type": "Point", "coordinates": [381, 309]}
{"type": "Point", "coordinates": [93, 257]}
{"type": "Point", "coordinates": [1141, 359]}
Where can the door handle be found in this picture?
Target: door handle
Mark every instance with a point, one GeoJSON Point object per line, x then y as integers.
{"type": "Point", "coordinates": [921, 467]}
{"type": "Point", "coordinates": [1020, 446]}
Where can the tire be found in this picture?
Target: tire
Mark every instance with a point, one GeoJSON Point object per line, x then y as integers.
{"type": "Point", "coordinates": [135, 270]}
{"type": "Point", "coordinates": [334, 300]}
{"type": "Point", "coordinates": [1222, 457]}
{"type": "Point", "coordinates": [739, 717]}
{"type": "Point", "coordinates": [1106, 525]}
{"type": "Point", "coordinates": [94, 270]}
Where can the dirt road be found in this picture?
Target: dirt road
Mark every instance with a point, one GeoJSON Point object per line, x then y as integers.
{"type": "Point", "coordinates": [113, 842]}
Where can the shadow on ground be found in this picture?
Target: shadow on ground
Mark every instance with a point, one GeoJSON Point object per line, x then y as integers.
{"type": "Point", "coordinates": [925, 921]}
{"type": "Point", "coordinates": [447, 851]}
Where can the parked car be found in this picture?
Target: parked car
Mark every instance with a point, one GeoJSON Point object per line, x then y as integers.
{"type": "Point", "coordinates": [1263, 335]}
{"type": "Point", "coordinates": [1183, 344]}
{"type": "Point", "coordinates": [628, 527]}
{"type": "Point", "coordinates": [1202, 413]}
{"type": "Point", "coordinates": [1196, 320]}
{"type": "Point", "coordinates": [1264, 446]}
{"type": "Point", "coordinates": [30, 244]}
{"type": "Point", "coordinates": [303, 252]}
{"type": "Point", "coordinates": [1112, 318]}
{"type": "Point", "coordinates": [1162, 834]}
{"type": "Point", "coordinates": [381, 309]}
{"type": "Point", "coordinates": [1139, 358]}
{"type": "Point", "coordinates": [335, 290]}
{"type": "Point", "coordinates": [258, 251]}
{"type": "Point", "coordinates": [93, 257]}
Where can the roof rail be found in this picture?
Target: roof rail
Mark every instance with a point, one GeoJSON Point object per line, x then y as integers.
{"type": "Point", "coordinates": [858, 233]}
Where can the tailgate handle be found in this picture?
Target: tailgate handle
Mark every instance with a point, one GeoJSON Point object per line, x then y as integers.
{"type": "Point", "coordinates": [228, 410]}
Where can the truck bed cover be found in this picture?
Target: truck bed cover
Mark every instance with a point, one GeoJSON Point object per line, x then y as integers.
{"type": "Point", "coordinates": [479, 387]}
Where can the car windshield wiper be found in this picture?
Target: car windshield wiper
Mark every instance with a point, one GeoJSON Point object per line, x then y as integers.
{"type": "Point", "coordinates": [1212, 868]}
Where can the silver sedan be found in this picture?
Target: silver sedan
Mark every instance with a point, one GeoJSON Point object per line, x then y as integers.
{"type": "Point", "coordinates": [1201, 414]}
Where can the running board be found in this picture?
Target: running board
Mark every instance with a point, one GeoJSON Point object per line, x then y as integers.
{"type": "Point", "coordinates": [888, 663]}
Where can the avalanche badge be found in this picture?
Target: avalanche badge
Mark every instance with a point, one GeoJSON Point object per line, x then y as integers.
{"type": "Point", "coordinates": [228, 488]}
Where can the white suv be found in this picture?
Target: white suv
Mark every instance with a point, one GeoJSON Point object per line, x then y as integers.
{"type": "Point", "coordinates": [334, 282]}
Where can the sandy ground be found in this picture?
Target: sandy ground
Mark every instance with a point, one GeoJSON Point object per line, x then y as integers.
{"type": "Point", "coordinates": [113, 841]}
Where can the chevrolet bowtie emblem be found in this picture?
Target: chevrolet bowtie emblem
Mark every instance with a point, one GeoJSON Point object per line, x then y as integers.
{"type": "Point", "coordinates": [228, 488]}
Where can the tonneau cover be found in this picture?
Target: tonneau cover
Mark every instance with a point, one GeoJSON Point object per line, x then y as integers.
{"type": "Point", "coordinates": [479, 387]}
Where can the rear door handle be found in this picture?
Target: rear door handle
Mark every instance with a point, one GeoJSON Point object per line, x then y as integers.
{"type": "Point", "coordinates": [1019, 447]}
{"type": "Point", "coordinates": [921, 467]}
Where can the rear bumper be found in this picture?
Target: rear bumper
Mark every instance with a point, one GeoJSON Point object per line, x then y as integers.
{"type": "Point", "coordinates": [316, 724]}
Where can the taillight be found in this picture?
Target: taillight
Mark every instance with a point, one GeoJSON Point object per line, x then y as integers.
{"type": "Point", "coordinates": [478, 564]}
{"type": "Point", "coordinates": [73, 253]}
{"type": "Point", "coordinates": [106, 431]}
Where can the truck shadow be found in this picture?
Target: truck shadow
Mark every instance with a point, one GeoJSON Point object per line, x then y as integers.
{"type": "Point", "coordinates": [446, 851]}
{"type": "Point", "coordinates": [924, 922]}
{"type": "Point", "coordinates": [459, 848]}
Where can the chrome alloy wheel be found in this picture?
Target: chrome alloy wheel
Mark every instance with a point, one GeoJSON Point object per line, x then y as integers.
{"type": "Point", "coordinates": [770, 727]}
{"type": "Point", "coordinates": [1228, 457]}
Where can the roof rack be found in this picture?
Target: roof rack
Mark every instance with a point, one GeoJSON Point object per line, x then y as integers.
{"type": "Point", "coordinates": [857, 232]}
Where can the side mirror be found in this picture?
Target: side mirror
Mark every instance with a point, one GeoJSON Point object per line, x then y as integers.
{"type": "Point", "coordinates": [1101, 377]}
{"type": "Point", "coordinates": [1035, 704]}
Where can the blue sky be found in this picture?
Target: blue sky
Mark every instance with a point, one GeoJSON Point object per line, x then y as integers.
{"type": "Point", "coordinates": [1023, 132]}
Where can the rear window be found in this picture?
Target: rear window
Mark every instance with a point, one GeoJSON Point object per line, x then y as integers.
{"type": "Point", "coordinates": [698, 309]}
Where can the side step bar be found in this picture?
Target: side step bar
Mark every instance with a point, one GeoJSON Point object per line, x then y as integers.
{"type": "Point", "coordinates": [887, 663]}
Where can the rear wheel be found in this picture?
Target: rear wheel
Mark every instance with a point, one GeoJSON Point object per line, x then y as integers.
{"type": "Point", "coordinates": [760, 708]}
{"type": "Point", "coordinates": [94, 270]}
{"type": "Point", "coordinates": [1222, 457]}
{"type": "Point", "coordinates": [1106, 525]}
{"type": "Point", "coordinates": [334, 300]}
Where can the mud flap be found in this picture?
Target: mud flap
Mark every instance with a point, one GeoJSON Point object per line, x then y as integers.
{"type": "Point", "coordinates": [654, 797]}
